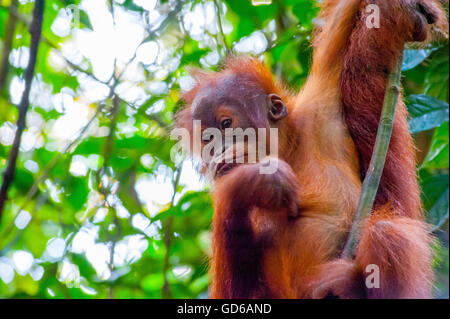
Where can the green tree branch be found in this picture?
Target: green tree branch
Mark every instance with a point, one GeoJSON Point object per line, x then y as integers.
{"type": "Point", "coordinates": [7, 43]}
{"type": "Point", "coordinates": [375, 170]}
{"type": "Point", "coordinates": [35, 31]}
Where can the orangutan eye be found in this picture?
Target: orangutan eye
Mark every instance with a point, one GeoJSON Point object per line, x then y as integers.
{"type": "Point", "coordinates": [225, 124]}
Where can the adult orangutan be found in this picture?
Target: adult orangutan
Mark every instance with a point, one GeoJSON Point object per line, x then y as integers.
{"type": "Point", "coordinates": [280, 235]}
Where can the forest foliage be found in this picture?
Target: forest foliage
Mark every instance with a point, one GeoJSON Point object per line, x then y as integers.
{"type": "Point", "coordinates": [97, 208]}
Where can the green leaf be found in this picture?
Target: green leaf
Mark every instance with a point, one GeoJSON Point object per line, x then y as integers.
{"type": "Point", "coordinates": [435, 198]}
{"type": "Point", "coordinates": [437, 74]}
{"type": "Point", "coordinates": [91, 145]}
{"type": "Point", "coordinates": [129, 4]}
{"type": "Point", "coordinates": [426, 112]}
{"type": "Point", "coordinates": [438, 155]}
{"type": "Point", "coordinates": [84, 266]}
{"type": "Point", "coordinates": [77, 192]}
{"type": "Point", "coordinates": [247, 18]}
{"type": "Point", "coordinates": [23, 180]}
{"type": "Point", "coordinates": [84, 20]}
{"type": "Point", "coordinates": [305, 11]}
{"type": "Point", "coordinates": [200, 284]}
{"type": "Point", "coordinates": [152, 282]}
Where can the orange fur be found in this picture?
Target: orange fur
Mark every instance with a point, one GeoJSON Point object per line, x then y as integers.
{"type": "Point", "coordinates": [325, 144]}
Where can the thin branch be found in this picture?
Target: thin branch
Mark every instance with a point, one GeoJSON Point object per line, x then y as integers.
{"type": "Point", "coordinates": [111, 267]}
{"type": "Point", "coordinates": [109, 145]}
{"type": "Point", "coordinates": [35, 31]}
{"type": "Point", "coordinates": [153, 33]}
{"type": "Point", "coordinates": [13, 11]}
{"type": "Point", "coordinates": [375, 170]}
{"type": "Point", "coordinates": [74, 66]}
{"type": "Point", "coordinates": [219, 22]}
{"type": "Point", "coordinates": [440, 224]}
{"type": "Point", "coordinates": [7, 43]}
{"type": "Point", "coordinates": [107, 152]}
{"type": "Point", "coordinates": [153, 117]}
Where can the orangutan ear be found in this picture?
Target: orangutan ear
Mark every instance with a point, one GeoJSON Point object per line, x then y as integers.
{"type": "Point", "coordinates": [276, 108]}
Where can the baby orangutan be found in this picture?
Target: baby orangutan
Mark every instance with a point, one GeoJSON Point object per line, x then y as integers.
{"type": "Point", "coordinates": [280, 235]}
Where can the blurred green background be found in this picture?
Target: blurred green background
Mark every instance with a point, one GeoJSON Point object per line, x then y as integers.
{"type": "Point", "coordinates": [97, 209]}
